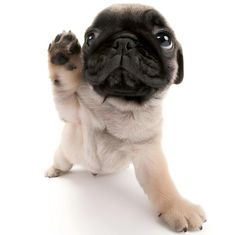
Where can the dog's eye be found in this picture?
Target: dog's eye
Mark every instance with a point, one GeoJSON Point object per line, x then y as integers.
{"type": "Point", "coordinates": [90, 38]}
{"type": "Point", "coordinates": [164, 40]}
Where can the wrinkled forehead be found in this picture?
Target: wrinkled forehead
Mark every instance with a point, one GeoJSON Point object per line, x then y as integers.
{"type": "Point", "coordinates": [128, 16]}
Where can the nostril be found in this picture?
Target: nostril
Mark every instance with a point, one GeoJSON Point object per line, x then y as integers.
{"type": "Point", "coordinates": [123, 45]}
{"type": "Point", "coordinates": [129, 46]}
{"type": "Point", "coordinates": [116, 45]}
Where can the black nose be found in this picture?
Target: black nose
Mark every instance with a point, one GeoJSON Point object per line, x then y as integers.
{"type": "Point", "coordinates": [123, 45]}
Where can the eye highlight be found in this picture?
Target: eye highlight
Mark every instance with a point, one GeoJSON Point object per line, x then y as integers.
{"type": "Point", "coordinates": [89, 38]}
{"type": "Point", "coordinates": [164, 40]}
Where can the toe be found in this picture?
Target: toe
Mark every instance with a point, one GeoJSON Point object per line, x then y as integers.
{"type": "Point", "coordinates": [68, 37]}
{"type": "Point", "coordinates": [75, 48]}
{"type": "Point", "coordinates": [194, 222]}
{"type": "Point", "coordinates": [57, 38]}
{"type": "Point", "coordinates": [176, 221]}
{"type": "Point", "coordinates": [201, 214]}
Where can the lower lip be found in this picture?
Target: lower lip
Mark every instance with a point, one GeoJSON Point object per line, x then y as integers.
{"type": "Point", "coordinates": [122, 93]}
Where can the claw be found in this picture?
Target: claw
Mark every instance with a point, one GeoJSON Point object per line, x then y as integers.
{"type": "Point", "coordinates": [185, 229]}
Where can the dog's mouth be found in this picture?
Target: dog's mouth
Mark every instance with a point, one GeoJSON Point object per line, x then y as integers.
{"type": "Point", "coordinates": [122, 83]}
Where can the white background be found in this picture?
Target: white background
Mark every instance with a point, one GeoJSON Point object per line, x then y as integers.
{"type": "Point", "coordinates": [199, 125]}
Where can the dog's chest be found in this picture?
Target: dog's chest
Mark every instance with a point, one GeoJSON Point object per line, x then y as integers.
{"type": "Point", "coordinates": [102, 152]}
{"type": "Point", "coordinates": [110, 136]}
{"type": "Point", "coordinates": [132, 127]}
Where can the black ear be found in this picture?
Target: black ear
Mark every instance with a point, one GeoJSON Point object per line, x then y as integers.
{"type": "Point", "coordinates": [180, 62]}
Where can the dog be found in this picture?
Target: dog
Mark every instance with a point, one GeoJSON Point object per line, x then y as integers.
{"type": "Point", "coordinates": [110, 92]}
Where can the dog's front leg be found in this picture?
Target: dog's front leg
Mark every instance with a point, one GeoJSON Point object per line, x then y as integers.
{"type": "Point", "coordinates": [64, 64]}
{"type": "Point", "coordinates": [65, 71]}
{"type": "Point", "coordinates": [153, 175]}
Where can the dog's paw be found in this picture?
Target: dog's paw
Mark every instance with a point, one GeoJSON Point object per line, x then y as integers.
{"type": "Point", "coordinates": [53, 172]}
{"type": "Point", "coordinates": [183, 216]}
{"type": "Point", "coordinates": [63, 48]}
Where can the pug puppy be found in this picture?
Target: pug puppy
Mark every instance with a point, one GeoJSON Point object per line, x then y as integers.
{"type": "Point", "coordinates": [110, 92]}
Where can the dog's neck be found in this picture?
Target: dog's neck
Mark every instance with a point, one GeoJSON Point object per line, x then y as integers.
{"type": "Point", "coordinates": [126, 121]}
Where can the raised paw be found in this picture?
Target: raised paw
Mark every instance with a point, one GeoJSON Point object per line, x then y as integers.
{"type": "Point", "coordinates": [63, 48]}
{"type": "Point", "coordinates": [183, 216]}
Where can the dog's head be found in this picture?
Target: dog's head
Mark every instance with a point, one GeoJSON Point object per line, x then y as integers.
{"type": "Point", "coordinates": [131, 53]}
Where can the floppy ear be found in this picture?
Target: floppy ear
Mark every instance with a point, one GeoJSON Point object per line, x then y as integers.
{"type": "Point", "coordinates": [180, 62]}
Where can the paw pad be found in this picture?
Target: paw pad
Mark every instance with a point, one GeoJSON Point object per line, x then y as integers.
{"type": "Point", "coordinates": [59, 59]}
